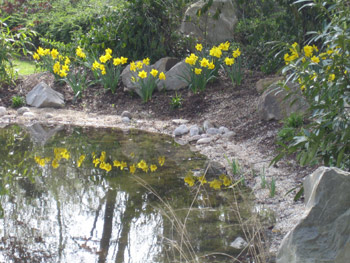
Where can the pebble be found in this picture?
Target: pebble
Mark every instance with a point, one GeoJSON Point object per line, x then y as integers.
{"type": "Point", "coordinates": [180, 141]}
{"type": "Point", "coordinates": [22, 110]}
{"type": "Point", "coordinates": [48, 115]}
{"type": "Point", "coordinates": [29, 114]}
{"type": "Point", "coordinates": [194, 130]}
{"type": "Point", "coordinates": [204, 140]}
{"type": "Point", "coordinates": [179, 121]}
{"type": "Point", "coordinates": [181, 130]}
{"type": "Point", "coordinates": [223, 130]}
{"type": "Point", "coordinates": [3, 111]}
{"type": "Point", "coordinates": [207, 124]}
{"type": "Point", "coordinates": [126, 114]}
{"type": "Point", "coordinates": [239, 243]}
{"type": "Point", "coordinates": [229, 135]}
{"type": "Point", "coordinates": [194, 138]}
{"type": "Point", "coordinates": [213, 131]}
{"type": "Point", "coordinates": [125, 120]}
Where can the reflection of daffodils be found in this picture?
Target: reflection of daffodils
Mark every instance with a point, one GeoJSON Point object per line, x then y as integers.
{"type": "Point", "coordinates": [215, 184]}
{"type": "Point", "coordinates": [99, 162]}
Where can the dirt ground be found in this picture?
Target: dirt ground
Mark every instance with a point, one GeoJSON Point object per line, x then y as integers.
{"type": "Point", "coordinates": [253, 144]}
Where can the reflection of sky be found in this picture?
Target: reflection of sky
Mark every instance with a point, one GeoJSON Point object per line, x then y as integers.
{"type": "Point", "coordinates": [75, 224]}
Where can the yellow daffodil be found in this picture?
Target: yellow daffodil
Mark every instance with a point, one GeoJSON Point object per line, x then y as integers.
{"type": "Point", "coordinates": [202, 179]}
{"type": "Point", "coordinates": [225, 180]}
{"type": "Point", "coordinates": [192, 59]}
{"type": "Point", "coordinates": [36, 56]}
{"type": "Point", "coordinates": [315, 59]}
{"type": "Point", "coordinates": [315, 48]}
{"type": "Point", "coordinates": [197, 71]}
{"type": "Point", "coordinates": [204, 63]}
{"type": "Point", "coordinates": [54, 53]}
{"type": "Point", "coordinates": [189, 179]}
{"type": "Point", "coordinates": [67, 61]}
{"type": "Point", "coordinates": [215, 184]}
{"type": "Point", "coordinates": [308, 50]}
{"type": "Point", "coordinates": [117, 61]}
{"type": "Point", "coordinates": [215, 52]}
{"type": "Point", "coordinates": [124, 60]}
{"type": "Point", "coordinates": [132, 66]}
{"type": "Point", "coordinates": [143, 74]}
{"type": "Point", "coordinates": [236, 53]}
{"type": "Point", "coordinates": [161, 160]}
{"type": "Point", "coordinates": [146, 61]}
{"type": "Point", "coordinates": [139, 64]}
{"type": "Point", "coordinates": [132, 168]}
{"type": "Point", "coordinates": [331, 77]}
{"type": "Point", "coordinates": [162, 76]}
{"type": "Point", "coordinates": [116, 163]}
{"type": "Point", "coordinates": [153, 167]}
{"type": "Point", "coordinates": [154, 72]}
{"type": "Point", "coordinates": [199, 47]}
{"type": "Point", "coordinates": [211, 65]}
{"type": "Point", "coordinates": [123, 165]}
{"type": "Point", "coordinates": [63, 73]}
{"type": "Point", "coordinates": [40, 51]}
{"type": "Point", "coordinates": [95, 65]}
{"type": "Point", "coordinates": [108, 51]}
{"type": "Point", "coordinates": [224, 46]}
{"type": "Point", "coordinates": [81, 159]}
{"type": "Point", "coordinates": [55, 163]}
{"type": "Point", "coordinates": [79, 52]}
{"type": "Point", "coordinates": [229, 61]}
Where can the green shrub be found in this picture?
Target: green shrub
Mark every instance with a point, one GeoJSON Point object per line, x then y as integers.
{"type": "Point", "coordinates": [323, 76]}
{"type": "Point", "coordinates": [17, 101]}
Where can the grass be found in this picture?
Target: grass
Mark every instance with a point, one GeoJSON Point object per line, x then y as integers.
{"type": "Point", "coordinates": [24, 67]}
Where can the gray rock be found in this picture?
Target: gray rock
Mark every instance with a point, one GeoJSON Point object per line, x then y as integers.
{"type": "Point", "coordinates": [205, 140]}
{"type": "Point", "coordinates": [42, 96]}
{"type": "Point", "coordinates": [194, 130]}
{"type": "Point", "coordinates": [272, 104]}
{"type": "Point", "coordinates": [323, 234]}
{"type": "Point", "coordinates": [180, 141]}
{"type": "Point", "coordinates": [229, 135]}
{"type": "Point", "coordinates": [29, 114]}
{"type": "Point", "coordinates": [263, 84]}
{"type": "Point", "coordinates": [239, 243]}
{"type": "Point", "coordinates": [173, 81]}
{"type": "Point", "coordinates": [181, 130]}
{"type": "Point", "coordinates": [3, 111]}
{"type": "Point", "coordinates": [125, 120]}
{"type": "Point", "coordinates": [223, 130]}
{"type": "Point", "coordinates": [207, 124]}
{"type": "Point", "coordinates": [126, 114]}
{"type": "Point", "coordinates": [48, 115]}
{"type": "Point", "coordinates": [194, 138]}
{"type": "Point", "coordinates": [213, 131]}
{"type": "Point", "coordinates": [22, 110]}
{"type": "Point", "coordinates": [217, 30]}
{"type": "Point", "coordinates": [165, 64]}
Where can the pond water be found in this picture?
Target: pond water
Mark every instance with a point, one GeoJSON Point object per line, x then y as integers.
{"type": "Point", "coordinates": [72, 194]}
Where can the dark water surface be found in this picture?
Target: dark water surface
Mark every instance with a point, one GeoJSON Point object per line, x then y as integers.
{"type": "Point", "coordinates": [65, 196]}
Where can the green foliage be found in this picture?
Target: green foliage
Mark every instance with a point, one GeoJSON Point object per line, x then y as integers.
{"type": "Point", "coordinates": [12, 44]}
{"type": "Point", "coordinates": [176, 102]}
{"type": "Point", "coordinates": [324, 79]}
{"type": "Point", "coordinates": [139, 29]}
{"type": "Point", "coordinates": [291, 127]}
{"type": "Point", "coordinates": [17, 101]}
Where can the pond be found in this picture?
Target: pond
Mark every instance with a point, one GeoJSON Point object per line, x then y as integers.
{"type": "Point", "coordinates": [73, 194]}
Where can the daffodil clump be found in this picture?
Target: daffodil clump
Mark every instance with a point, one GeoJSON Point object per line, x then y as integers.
{"type": "Point", "coordinates": [203, 65]}
{"type": "Point", "coordinates": [144, 78]}
{"type": "Point", "coordinates": [101, 161]}
{"type": "Point", "coordinates": [51, 60]}
{"type": "Point", "coordinates": [223, 181]}
{"type": "Point", "coordinates": [107, 69]}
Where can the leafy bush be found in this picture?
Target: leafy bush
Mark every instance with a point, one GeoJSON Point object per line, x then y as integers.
{"type": "Point", "coordinates": [18, 101]}
{"type": "Point", "coordinates": [12, 43]}
{"type": "Point", "coordinates": [323, 76]}
{"type": "Point", "coordinates": [139, 29]}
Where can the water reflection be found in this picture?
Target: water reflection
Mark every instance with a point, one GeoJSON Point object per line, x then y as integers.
{"type": "Point", "coordinates": [86, 214]}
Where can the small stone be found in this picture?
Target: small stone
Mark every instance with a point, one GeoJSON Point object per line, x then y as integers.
{"type": "Point", "coordinates": [181, 130]}
{"type": "Point", "coordinates": [223, 130]}
{"type": "Point", "coordinates": [204, 140]}
{"type": "Point", "coordinates": [125, 120]}
{"type": "Point", "coordinates": [29, 114]}
{"type": "Point", "coordinates": [207, 124]}
{"type": "Point", "coordinates": [3, 111]}
{"type": "Point", "coordinates": [180, 141]}
{"type": "Point", "coordinates": [179, 121]}
{"type": "Point", "coordinates": [229, 135]}
{"type": "Point", "coordinates": [48, 115]}
{"type": "Point", "coordinates": [194, 130]}
{"type": "Point", "coordinates": [194, 138]}
{"type": "Point", "coordinates": [22, 110]}
{"type": "Point", "coordinates": [213, 131]}
{"type": "Point", "coordinates": [126, 114]}
{"type": "Point", "coordinates": [239, 243]}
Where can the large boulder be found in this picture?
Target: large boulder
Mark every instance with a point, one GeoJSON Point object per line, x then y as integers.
{"type": "Point", "coordinates": [208, 28]}
{"type": "Point", "coordinates": [323, 234]}
{"type": "Point", "coordinates": [175, 77]}
{"type": "Point", "coordinates": [272, 104]}
{"type": "Point", "coordinates": [42, 96]}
